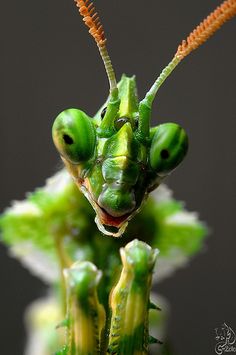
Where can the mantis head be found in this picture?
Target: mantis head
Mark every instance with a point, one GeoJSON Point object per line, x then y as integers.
{"type": "Point", "coordinates": [116, 164]}
{"type": "Point", "coordinates": [115, 158]}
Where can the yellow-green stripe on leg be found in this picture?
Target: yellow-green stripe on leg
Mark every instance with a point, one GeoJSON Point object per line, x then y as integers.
{"type": "Point", "coordinates": [86, 316]}
{"type": "Point", "coordinates": [129, 301]}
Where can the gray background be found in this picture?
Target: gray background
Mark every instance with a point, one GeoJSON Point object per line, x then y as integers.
{"type": "Point", "coordinates": [49, 63]}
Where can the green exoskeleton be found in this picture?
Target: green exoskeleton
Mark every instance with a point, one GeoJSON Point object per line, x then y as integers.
{"type": "Point", "coordinates": [116, 166]}
{"type": "Point", "coordinates": [115, 158]}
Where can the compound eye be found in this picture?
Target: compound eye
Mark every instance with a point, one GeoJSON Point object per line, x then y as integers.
{"type": "Point", "coordinates": [168, 148]}
{"type": "Point", "coordinates": [74, 135]}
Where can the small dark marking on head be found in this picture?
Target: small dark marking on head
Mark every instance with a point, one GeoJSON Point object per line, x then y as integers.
{"type": "Point", "coordinates": [103, 112]}
{"type": "Point", "coordinates": [120, 122]}
{"type": "Point", "coordinates": [136, 122]}
{"type": "Point", "coordinates": [67, 139]}
{"type": "Point", "coordinates": [165, 154]}
{"type": "Point", "coordinates": [99, 160]}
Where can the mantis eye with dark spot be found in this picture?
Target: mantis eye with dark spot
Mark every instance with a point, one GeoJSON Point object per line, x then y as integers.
{"type": "Point", "coordinates": [74, 135]}
{"type": "Point", "coordinates": [168, 148]}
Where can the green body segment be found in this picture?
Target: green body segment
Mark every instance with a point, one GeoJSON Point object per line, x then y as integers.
{"type": "Point", "coordinates": [114, 158]}
{"type": "Point", "coordinates": [129, 301]}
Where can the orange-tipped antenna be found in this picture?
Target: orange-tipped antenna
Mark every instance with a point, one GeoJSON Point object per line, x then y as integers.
{"type": "Point", "coordinates": [91, 19]}
{"type": "Point", "coordinates": [200, 34]}
{"type": "Point", "coordinates": [207, 28]}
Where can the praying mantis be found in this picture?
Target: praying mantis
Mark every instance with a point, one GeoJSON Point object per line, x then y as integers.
{"type": "Point", "coordinates": [116, 160]}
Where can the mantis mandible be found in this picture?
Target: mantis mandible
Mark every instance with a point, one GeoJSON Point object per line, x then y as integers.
{"type": "Point", "coordinates": [116, 159]}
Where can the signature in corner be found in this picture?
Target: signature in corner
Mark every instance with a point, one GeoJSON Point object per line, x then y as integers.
{"type": "Point", "coordinates": [225, 337]}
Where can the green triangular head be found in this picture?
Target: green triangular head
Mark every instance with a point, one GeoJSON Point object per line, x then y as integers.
{"type": "Point", "coordinates": [115, 158]}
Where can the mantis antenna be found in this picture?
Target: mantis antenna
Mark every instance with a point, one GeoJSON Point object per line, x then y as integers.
{"type": "Point", "coordinates": [199, 35]}
{"type": "Point", "coordinates": [91, 19]}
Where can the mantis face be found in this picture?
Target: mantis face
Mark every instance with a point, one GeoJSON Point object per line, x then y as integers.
{"type": "Point", "coordinates": [115, 158]}
{"type": "Point", "coordinates": [116, 166]}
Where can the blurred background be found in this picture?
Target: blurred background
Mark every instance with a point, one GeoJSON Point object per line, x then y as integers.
{"type": "Point", "coordinates": [49, 63]}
